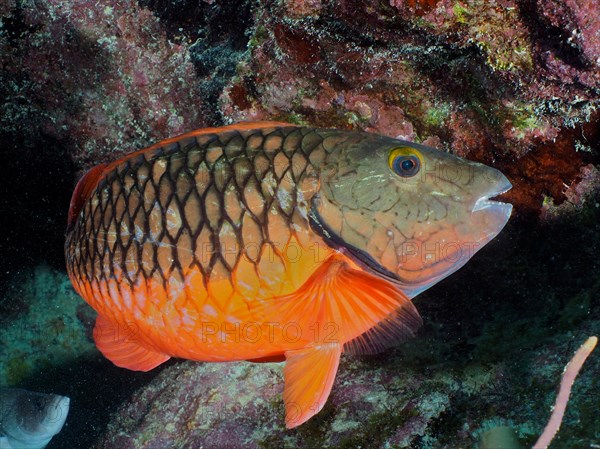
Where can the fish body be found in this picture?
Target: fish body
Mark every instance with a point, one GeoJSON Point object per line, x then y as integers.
{"type": "Point", "coordinates": [270, 241]}
{"type": "Point", "coordinates": [29, 420]}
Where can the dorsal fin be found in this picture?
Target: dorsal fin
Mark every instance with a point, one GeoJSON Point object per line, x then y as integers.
{"type": "Point", "coordinates": [84, 189]}
{"type": "Point", "coordinates": [241, 126]}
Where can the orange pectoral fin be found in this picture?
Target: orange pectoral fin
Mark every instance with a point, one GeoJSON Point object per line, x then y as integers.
{"type": "Point", "coordinates": [119, 345]}
{"type": "Point", "coordinates": [309, 375]}
{"type": "Point", "coordinates": [371, 312]}
{"type": "Point", "coordinates": [347, 305]}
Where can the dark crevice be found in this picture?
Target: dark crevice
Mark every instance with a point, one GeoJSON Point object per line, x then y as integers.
{"type": "Point", "coordinates": [181, 19]}
{"type": "Point", "coordinates": [15, 28]}
{"type": "Point", "coordinates": [465, 305]}
{"type": "Point", "coordinates": [550, 38]}
{"type": "Point", "coordinates": [37, 182]}
{"type": "Point", "coordinates": [220, 32]}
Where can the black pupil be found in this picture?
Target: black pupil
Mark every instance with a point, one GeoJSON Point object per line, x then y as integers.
{"type": "Point", "coordinates": [408, 165]}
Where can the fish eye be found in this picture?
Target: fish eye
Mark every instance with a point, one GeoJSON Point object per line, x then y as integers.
{"type": "Point", "coordinates": [404, 161]}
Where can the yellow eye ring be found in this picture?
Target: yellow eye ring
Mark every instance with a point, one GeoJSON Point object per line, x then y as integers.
{"type": "Point", "coordinates": [405, 161]}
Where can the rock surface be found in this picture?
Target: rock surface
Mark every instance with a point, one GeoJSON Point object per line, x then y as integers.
{"type": "Point", "coordinates": [394, 400]}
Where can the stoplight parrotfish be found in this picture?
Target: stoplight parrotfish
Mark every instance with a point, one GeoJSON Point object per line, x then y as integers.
{"type": "Point", "coordinates": [273, 242]}
{"type": "Point", "coordinates": [29, 420]}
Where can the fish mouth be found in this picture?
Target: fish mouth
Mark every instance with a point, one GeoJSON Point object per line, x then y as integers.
{"type": "Point", "coordinates": [485, 202]}
{"type": "Point", "coordinates": [490, 216]}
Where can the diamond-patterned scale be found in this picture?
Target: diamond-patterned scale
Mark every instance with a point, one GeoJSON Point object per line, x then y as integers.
{"type": "Point", "coordinates": [208, 208]}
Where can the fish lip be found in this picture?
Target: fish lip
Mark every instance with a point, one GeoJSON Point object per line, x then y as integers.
{"type": "Point", "coordinates": [485, 201]}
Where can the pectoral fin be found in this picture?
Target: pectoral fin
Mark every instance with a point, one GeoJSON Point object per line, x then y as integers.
{"type": "Point", "coordinates": [309, 375]}
{"type": "Point", "coordinates": [346, 305]}
{"type": "Point", "coordinates": [120, 346]}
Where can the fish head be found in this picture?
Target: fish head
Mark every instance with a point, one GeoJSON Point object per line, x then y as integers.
{"type": "Point", "coordinates": [33, 418]}
{"type": "Point", "coordinates": [409, 212]}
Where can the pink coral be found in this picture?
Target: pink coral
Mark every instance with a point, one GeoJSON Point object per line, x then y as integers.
{"type": "Point", "coordinates": [571, 371]}
{"type": "Point", "coordinates": [303, 8]}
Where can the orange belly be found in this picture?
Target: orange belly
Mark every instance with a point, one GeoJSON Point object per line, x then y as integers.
{"type": "Point", "coordinates": [222, 319]}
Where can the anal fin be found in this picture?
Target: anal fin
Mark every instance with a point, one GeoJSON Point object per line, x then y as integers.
{"type": "Point", "coordinates": [120, 347]}
{"type": "Point", "coordinates": [309, 373]}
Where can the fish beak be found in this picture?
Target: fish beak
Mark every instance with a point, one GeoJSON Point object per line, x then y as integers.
{"type": "Point", "coordinates": [491, 216]}
{"type": "Point", "coordinates": [500, 186]}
